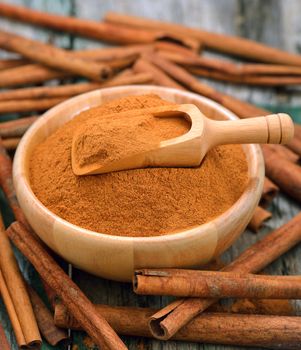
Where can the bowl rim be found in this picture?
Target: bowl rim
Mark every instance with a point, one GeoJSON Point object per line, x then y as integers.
{"type": "Point", "coordinates": [22, 180]}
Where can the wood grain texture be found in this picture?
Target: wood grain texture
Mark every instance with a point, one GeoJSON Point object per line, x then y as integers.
{"type": "Point", "coordinates": [275, 22]}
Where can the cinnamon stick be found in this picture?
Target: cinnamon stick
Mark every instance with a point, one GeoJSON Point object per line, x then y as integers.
{"type": "Point", "coordinates": [173, 317]}
{"type": "Point", "coordinates": [49, 330]}
{"type": "Point", "coordinates": [53, 57]}
{"type": "Point", "coordinates": [215, 284]}
{"type": "Point", "coordinates": [180, 75]}
{"type": "Point", "coordinates": [242, 109]}
{"type": "Point", "coordinates": [51, 295]}
{"type": "Point", "coordinates": [295, 145]}
{"type": "Point", "coordinates": [220, 42]}
{"type": "Point", "coordinates": [199, 62]}
{"type": "Point", "coordinates": [6, 184]}
{"type": "Point", "coordinates": [3, 339]}
{"type": "Point", "coordinates": [240, 71]}
{"type": "Point", "coordinates": [42, 104]}
{"type": "Point", "coordinates": [74, 299]}
{"type": "Point", "coordinates": [16, 128]}
{"type": "Point", "coordinates": [277, 307]}
{"type": "Point", "coordinates": [268, 69]}
{"type": "Point", "coordinates": [68, 90]}
{"type": "Point", "coordinates": [269, 192]}
{"type": "Point", "coordinates": [17, 290]}
{"type": "Point", "coordinates": [36, 73]}
{"type": "Point", "coordinates": [29, 105]}
{"type": "Point", "coordinates": [29, 74]}
{"type": "Point", "coordinates": [12, 62]}
{"type": "Point", "coordinates": [12, 143]}
{"type": "Point", "coordinates": [159, 77]}
{"type": "Point", "coordinates": [285, 152]}
{"type": "Point", "coordinates": [11, 311]}
{"type": "Point", "coordinates": [8, 188]}
{"type": "Point", "coordinates": [258, 219]}
{"type": "Point", "coordinates": [108, 54]}
{"type": "Point", "coordinates": [298, 131]}
{"type": "Point", "coordinates": [257, 80]}
{"type": "Point", "coordinates": [215, 328]}
{"type": "Point", "coordinates": [94, 29]}
{"type": "Point", "coordinates": [284, 173]}
{"type": "Point", "coordinates": [173, 48]}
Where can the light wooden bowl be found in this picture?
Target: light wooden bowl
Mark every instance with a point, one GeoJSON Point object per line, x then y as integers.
{"type": "Point", "coordinates": [116, 257]}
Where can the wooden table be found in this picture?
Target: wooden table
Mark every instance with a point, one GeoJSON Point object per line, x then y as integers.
{"type": "Point", "coordinates": [276, 23]}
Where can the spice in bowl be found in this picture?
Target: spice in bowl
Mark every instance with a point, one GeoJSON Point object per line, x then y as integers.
{"type": "Point", "coordinates": [141, 202]}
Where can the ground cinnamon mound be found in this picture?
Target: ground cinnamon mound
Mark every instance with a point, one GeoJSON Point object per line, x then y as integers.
{"type": "Point", "coordinates": [142, 202]}
{"type": "Point", "coordinates": [121, 135]}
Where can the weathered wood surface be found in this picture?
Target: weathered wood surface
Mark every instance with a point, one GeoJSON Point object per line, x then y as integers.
{"type": "Point", "coordinates": [275, 22]}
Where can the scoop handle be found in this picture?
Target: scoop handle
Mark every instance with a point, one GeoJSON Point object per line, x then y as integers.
{"type": "Point", "coordinates": [274, 128]}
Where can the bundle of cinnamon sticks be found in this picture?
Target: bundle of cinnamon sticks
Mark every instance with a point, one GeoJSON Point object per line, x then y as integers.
{"type": "Point", "coordinates": [169, 55]}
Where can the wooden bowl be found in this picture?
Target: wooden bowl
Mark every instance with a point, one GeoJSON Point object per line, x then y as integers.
{"type": "Point", "coordinates": [116, 257]}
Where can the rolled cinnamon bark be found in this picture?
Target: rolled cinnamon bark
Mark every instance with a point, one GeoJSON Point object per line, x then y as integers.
{"type": "Point", "coordinates": [295, 145]}
{"type": "Point", "coordinates": [224, 43]}
{"type": "Point", "coordinates": [29, 105]}
{"type": "Point", "coordinates": [18, 292]}
{"type": "Point", "coordinates": [277, 307]}
{"type": "Point", "coordinates": [159, 77]}
{"type": "Point", "coordinates": [29, 74]}
{"type": "Point", "coordinates": [16, 128]}
{"type": "Point", "coordinates": [215, 284]}
{"type": "Point", "coordinates": [257, 80]}
{"type": "Point", "coordinates": [51, 295]}
{"type": "Point", "coordinates": [285, 152]}
{"type": "Point", "coordinates": [269, 192]}
{"type": "Point", "coordinates": [6, 184]}
{"type": "Point", "coordinates": [108, 54]}
{"type": "Point", "coordinates": [53, 57]}
{"type": "Point", "coordinates": [38, 103]}
{"type": "Point", "coordinates": [199, 62]}
{"type": "Point", "coordinates": [168, 321]}
{"type": "Point", "coordinates": [173, 48]}
{"type": "Point", "coordinates": [242, 109]}
{"type": "Point", "coordinates": [12, 314]}
{"type": "Point", "coordinates": [77, 303]}
{"type": "Point", "coordinates": [298, 131]}
{"type": "Point", "coordinates": [216, 328]}
{"type": "Point", "coordinates": [36, 73]}
{"type": "Point", "coordinates": [268, 69]}
{"type": "Point", "coordinates": [264, 74]}
{"type": "Point", "coordinates": [12, 143]}
{"type": "Point", "coordinates": [49, 330]}
{"type": "Point", "coordinates": [94, 29]}
{"type": "Point", "coordinates": [67, 90]}
{"type": "Point", "coordinates": [12, 62]}
{"type": "Point", "coordinates": [258, 219]}
{"type": "Point", "coordinates": [284, 173]}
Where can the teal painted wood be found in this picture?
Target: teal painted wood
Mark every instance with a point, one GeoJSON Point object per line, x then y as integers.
{"type": "Point", "coordinates": [274, 22]}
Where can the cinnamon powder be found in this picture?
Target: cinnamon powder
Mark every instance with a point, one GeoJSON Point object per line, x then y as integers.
{"type": "Point", "coordinates": [142, 202]}
{"type": "Point", "coordinates": [120, 135]}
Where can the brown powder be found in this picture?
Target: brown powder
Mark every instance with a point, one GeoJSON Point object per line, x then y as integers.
{"type": "Point", "coordinates": [142, 202]}
{"type": "Point", "coordinates": [120, 135]}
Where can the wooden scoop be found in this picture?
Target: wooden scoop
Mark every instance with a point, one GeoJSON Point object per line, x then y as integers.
{"type": "Point", "coordinates": [188, 150]}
